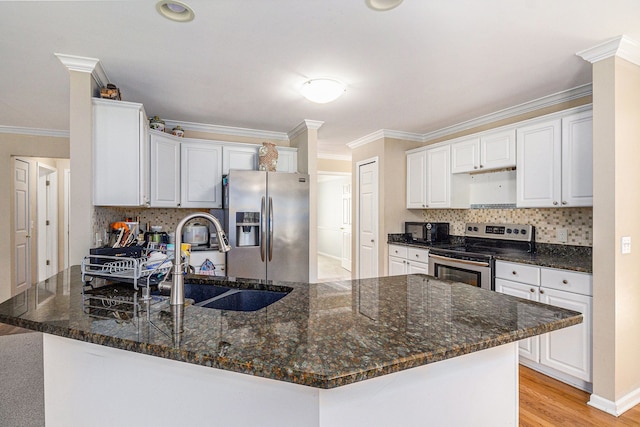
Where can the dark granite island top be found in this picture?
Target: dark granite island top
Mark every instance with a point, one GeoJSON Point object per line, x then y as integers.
{"type": "Point", "coordinates": [320, 335]}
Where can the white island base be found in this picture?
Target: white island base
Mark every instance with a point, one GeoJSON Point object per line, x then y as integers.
{"type": "Point", "coordinates": [88, 384]}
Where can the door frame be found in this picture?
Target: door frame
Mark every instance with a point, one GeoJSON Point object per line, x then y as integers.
{"type": "Point", "coordinates": [360, 163]}
{"type": "Point", "coordinates": [47, 243]}
{"type": "Point", "coordinates": [29, 276]}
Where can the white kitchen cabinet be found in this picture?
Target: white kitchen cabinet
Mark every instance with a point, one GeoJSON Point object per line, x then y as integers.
{"type": "Point", "coordinates": [239, 157]}
{"type": "Point", "coordinates": [165, 170]}
{"type": "Point", "coordinates": [397, 266]}
{"type": "Point", "coordinates": [287, 160]}
{"type": "Point", "coordinates": [408, 260]}
{"type": "Point", "coordinates": [200, 174]}
{"type": "Point", "coordinates": [490, 151]}
{"type": "Point", "coordinates": [564, 354]}
{"type": "Point", "coordinates": [417, 179]}
{"type": "Point", "coordinates": [120, 154]}
{"type": "Point", "coordinates": [554, 162]}
{"type": "Point", "coordinates": [438, 175]}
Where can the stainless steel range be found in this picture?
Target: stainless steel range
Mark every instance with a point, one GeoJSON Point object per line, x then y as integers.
{"type": "Point", "coordinates": [473, 262]}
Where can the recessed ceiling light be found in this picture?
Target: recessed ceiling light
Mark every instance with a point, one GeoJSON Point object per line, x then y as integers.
{"type": "Point", "coordinates": [382, 5]}
{"type": "Point", "coordinates": [175, 10]}
{"type": "Point", "coordinates": [322, 90]}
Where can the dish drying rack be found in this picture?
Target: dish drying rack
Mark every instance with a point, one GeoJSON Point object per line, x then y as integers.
{"type": "Point", "coordinates": [113, 296]}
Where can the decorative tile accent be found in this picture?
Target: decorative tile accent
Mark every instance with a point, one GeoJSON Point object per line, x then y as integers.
{"type": "Point", "coordinates": [577, 221]}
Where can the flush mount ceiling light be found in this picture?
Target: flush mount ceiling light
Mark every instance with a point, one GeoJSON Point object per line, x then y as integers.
{"type": "Point", "coordinates": [383, 5]}
{"type": "Point", "coordinates": [175, 10]}
{"type": "Point", "coordinates": [323, 90]}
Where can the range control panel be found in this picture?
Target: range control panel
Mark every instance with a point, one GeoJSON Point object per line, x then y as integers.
{"type": "Point", "coordinates": [519, 232]}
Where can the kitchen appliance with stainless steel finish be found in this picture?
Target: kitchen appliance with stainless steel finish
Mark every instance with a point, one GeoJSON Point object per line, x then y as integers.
{"type": "Point", "coordinates": [473, 262]}
{"type": "Point", "coordinates": [267, 217]}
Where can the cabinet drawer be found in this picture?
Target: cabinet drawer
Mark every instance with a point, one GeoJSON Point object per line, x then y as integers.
{"type": "Point", "coordinates": [570, 281]}
{"type": "Point", "coordinates": [518, 272]}
{"type": "Point", "coordinates": [398, 251]}
{"type": "Point", "coordinates": [415, 254]}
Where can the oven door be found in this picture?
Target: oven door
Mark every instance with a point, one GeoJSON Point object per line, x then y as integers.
{"type": "Point", "coordinates": [474, 273]}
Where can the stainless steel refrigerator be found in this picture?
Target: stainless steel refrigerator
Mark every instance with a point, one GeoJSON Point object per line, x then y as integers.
{"type": "Point", "coordinates": [267, 216]}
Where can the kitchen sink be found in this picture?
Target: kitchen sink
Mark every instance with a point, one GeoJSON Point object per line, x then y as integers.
{"type": "Point", "coordinates": [233, 299]}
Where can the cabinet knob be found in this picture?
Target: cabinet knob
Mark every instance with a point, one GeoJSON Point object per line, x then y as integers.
{"type": "Point", "coordinates": [564, 203]}
{"type": "Point", "coordinates": [514, 272]}
{"type": "Point", "coordinates": [555, 203]}
{"type": "Point", "coordinates": [565, 281]}
{"type": "Point", "coordinates": [481, 166]}
{"type": "Point", "coordinates": [532, 290]}
{"type": "Point", "coordinates": [372, 241]}
{"type": "Point", "coordinates": [417, 256]}
{"type": "Point", "coordinates": [404, 262]}
{"type": "Point", "coordinates": [541, 291]}
{"type": "Point", "coordinates": [475, 167]}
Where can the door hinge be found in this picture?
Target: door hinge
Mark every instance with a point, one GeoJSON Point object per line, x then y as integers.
{"type": "Point", "coordinates": [48, 182]}
{"type": "Point", "coordinates": [47, 222]}
{"type": "Point", "coordinates": [48, 262]}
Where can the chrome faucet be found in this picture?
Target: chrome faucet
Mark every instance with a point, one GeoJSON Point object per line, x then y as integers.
{"type": "Point", "coordinates": [177, 290]}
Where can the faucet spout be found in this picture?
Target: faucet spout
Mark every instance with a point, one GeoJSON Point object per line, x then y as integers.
{"type": "Point", "coordinates": [177, 288]}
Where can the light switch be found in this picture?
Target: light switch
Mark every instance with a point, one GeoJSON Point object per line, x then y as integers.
{"type": "Point", "coordinates": [626, 244]}
{"type": "Point", "coordinates": [562, 235]}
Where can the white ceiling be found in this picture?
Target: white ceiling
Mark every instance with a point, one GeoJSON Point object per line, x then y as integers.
{"type": "Point", "coordinates": [418, 68]}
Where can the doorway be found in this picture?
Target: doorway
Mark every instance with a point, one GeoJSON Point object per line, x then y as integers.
{"type": "Point", "coordinates": [47, 223]}
{"type": "Point", "coordinates": [367, 218]}
{"type": "Point", "coordinates": [333, 223]}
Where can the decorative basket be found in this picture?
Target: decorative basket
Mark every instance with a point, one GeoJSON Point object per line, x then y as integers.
{"type": "Point", "coordinates": [268, 157]}
{"type": "Point", "coordinates": [110, 92]}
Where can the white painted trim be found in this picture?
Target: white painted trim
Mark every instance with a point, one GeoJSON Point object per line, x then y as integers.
{"type": "Point", "coordinates": [618, 407]}
{"type": "Point", "coordinates": [527, 107]}
{"type": "Point", "coordinates": [621, 46]}
{"type": "Point", "coordinates": [375, 160]}
{"type": "Point", "coordinates": [227, 130]}
{"type": "Point", "coordinates": [66, 214]}
{"type": "Point", "coordinates": [304, 125]}
{"type": "Point", "coordinates": [85, 65]}
{"type": "Point", "coordinates": [337, 258]}
{"type": "Point", "coordinates": [55, 133]}
{"type": "Point", "coordinates": [329, 156]}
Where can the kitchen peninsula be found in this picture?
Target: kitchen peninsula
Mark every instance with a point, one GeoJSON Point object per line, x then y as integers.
{"type": "Point", "coordinates": [383, 351]}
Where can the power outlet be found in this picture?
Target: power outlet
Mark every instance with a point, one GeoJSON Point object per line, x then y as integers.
{"type": "Point", "coordinates": [562, 235]}
{"type": "Point", "coordinates": [625, 245]}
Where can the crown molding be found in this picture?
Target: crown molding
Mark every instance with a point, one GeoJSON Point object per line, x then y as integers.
{"type": "Point", "coordinates": [304, 125]}
{"type": "Point", "coordinates": [621, 46]}
{"type": "Point", "coordinates": [374, 136]}
{"type": "Point", "coordinates": [329, 156]}
{"type": "Point", "coordinates": [228, 130]}
{"type": "Point", "coordinates": [85, 65]}
{"type": "Point", "coordinates": [385, 133]}
{"type": "Point", "coordinates": [35, 131]}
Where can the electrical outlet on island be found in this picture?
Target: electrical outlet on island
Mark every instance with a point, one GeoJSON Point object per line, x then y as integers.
{"type": "Point", "coordinates": [562, 235]}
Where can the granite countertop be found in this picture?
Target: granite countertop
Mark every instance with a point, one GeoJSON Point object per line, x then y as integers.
{"type": "Point", "coordinates": [565, 257]}
{"type": "Point", "coordinates": [321, 335]}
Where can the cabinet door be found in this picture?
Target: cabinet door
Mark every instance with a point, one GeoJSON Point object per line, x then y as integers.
{"type": "Point", "coordinates": [498, 150]}
{"type": "Point", "coordinates": [415, 267]}
{"type": "Point", "coordinates": [287, 160]}
{"type": "Point", "coordinates": [577, 159]}
{"type": "Point", "coordinates": [239, 157]}
{"type": "Point", "coordinates": [465, 156]}
{"type": "Point", "coordinates": [165, 171]}
{"type": "Point", "coordinates": [417, 180]}
{"type": "Point", "coordinates": [538, 170]}
{"type": "Point", "coordinates": [528, 348]}
{"type": "Point", "coordinates": [438, 177]}
{"type": "Point", "coordinates": [397, 266]}
{"type": "Point", "coordinates": [201, 175]}
{"type": "Point", "coordinates": [119, 143]}
{"type": "Point", "coordinates": [568, 350]}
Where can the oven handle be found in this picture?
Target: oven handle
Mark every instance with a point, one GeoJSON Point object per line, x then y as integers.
{"type": "Point", "coordinates": [461, 261]}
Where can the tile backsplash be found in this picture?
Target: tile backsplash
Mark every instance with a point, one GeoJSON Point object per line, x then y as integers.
{"type": "Point", "coordinates": [577, 221]}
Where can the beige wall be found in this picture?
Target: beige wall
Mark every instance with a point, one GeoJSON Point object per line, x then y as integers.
{"type": "Point", "coordinates": [27, 146]}
{"type": "Point", "coordinates": [330, 165]}
{"type": "Point", "coordinates": [616, 313]}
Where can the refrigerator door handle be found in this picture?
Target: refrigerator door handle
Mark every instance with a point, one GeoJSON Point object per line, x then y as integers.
{"type": "Point", "coordinates": [270, 228]}
{"type": "Point", "coordinates": [263, 229]}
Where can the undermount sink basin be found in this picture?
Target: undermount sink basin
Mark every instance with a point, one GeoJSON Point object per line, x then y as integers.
{"type": "Point", "coordinates": [233, 299]}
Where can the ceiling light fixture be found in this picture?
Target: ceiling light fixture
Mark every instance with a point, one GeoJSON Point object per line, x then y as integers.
{"type": "Point", "coordinates": [175, 10]}
{"type": "Point", "coordinates": [322, 90]}
{"type": "Point", "coordinates": [382, 5]}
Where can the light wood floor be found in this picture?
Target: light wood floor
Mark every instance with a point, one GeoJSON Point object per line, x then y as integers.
{"type": "Point", "coordinates": [547, 402]}
{"type": "Point", "coordinates": [543, 401]}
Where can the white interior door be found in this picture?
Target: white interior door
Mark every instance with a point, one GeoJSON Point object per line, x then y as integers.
{"type": "Point", "coordinates": [346, 227]}
{"type": "Point", "coordinates": [47, 208]}
{"type": "Point", "coordinates": [67, 210]}
{"type": "Point", "coordinates": [367, 188]}
{"type": "Point", "coordinates": [21, 227]}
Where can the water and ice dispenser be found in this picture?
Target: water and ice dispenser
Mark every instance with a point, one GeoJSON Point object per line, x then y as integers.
{"type": "Point", "coordinates": [248, 228]}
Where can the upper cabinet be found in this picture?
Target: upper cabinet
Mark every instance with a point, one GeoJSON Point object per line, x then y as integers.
{"type": "Point", "coordinates": [554, 167]}
{"type": "Point", "coordinates": [239, 157]}
{"type": "Point", "coordinates": [438, 177]}
{"type": "Point", "coordinates": [287, 160]}
{"type": "Point", "coordinates": [496, 150]}
{"type": "Point", "coordinates": [417, 179]}
{"type": "Point", "coordinates": [165, 170]}
{"type": "Point", "coordinates": [120, 154]}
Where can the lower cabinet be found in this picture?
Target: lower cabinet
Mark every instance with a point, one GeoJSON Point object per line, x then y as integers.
{"type": "Point", "coordinates": [407, 260]}
{"type": "Point", "coordinates": [564, 354]}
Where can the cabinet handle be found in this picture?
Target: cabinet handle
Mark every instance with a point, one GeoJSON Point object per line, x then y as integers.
{"type": "Point", "coordinates": [565, 281]}
{"type": "Point", "coordinates": [564, 203]}
{"type": "Point", "coordinates": [417, 256]}
{"type": "Point", "coordinates": [481, 166]}
{"type": "Point", "coordinates": [372, 240]}
{"type": "Point", "coordinates": [532, 290]}
{"type": "Point", "coordinates": [475, 167]}
{"type": "Point", "coordinates": [555, 203]}
{"type": "Point", "coordinates": [514, 272]}
{"type": "Point", "coordinates": [404, 262]}
{"type": "Point", "coordinates": [541, 291]}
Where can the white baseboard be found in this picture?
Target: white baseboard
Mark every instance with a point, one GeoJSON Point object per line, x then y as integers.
{"type": "Point", "coordinates": [330, 256]}
{"type": "Point", "coordinates": [618, 407]}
